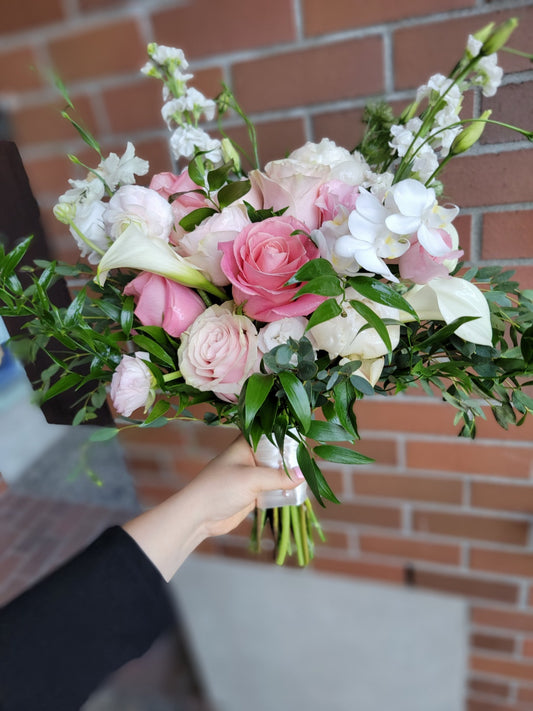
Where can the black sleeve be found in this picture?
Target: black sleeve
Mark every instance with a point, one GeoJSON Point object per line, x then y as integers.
{"type": "Point", "coordinates": [61, 638]}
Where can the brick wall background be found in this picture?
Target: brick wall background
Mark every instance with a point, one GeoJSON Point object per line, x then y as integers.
{"type": "Point", "coordinates": [432, 511]}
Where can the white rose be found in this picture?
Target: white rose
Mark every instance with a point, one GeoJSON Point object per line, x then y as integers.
{"type": "Point", "coordinates": [133, 204]}
{"type": "Point", "coordinates": [342, 335]}
{"type": "Point", "coordinates": [277, 333]}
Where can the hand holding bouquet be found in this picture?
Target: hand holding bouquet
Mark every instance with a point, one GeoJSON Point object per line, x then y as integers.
{"type": "Point", "coordinates": [280, 297]}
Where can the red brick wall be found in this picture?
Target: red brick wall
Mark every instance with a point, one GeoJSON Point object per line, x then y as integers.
{"type": "Point", "coordinates": [445, 514]}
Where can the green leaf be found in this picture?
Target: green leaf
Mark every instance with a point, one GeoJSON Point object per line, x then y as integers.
{"type": "Point", "coordinates": [126, 315]}
{"type": "Point", "coordinates": [326, 311]}
{"type": "Point", "coordinates": [308, 467]}
{"type": "Point", "coordinates": [233, 191]}
{"type": "Point", "coordinates": [196, 171]}
{"type": "Point", "coordinates": [258, 387]}
{"type": "Point", "coordinates": [381, 293]}
{"type": "Point", "coordinates": [13, 258]}
{"type": "Point", "coordinates": [88, 138]}
{"type": "Point", "coordinates": [526, 345]}
{"type": "Point", "coordinates": [313, 269]}
{"type": "Point", "coordinates": [327, 432]}
{"type": "Point", "coordinates": [104, 434]}
{"type": "Point", "coordinates": [193, 219]}
{"type": "Point", "coordinates": [218, 176]}
{"type": "Point", "coordinates": [158, 410]}
{"type": "Point", "coordinates": [374, 320]}
{"type": "Point", "coordinates": [65, 383]}
{"type": "Point", "coordinates": [323, 286]}
{"type": "Point", "coordinates": [297, 396]}
{"type": "Point", "coordinates": [75, 309]}
{"type": "Point", "coordinates": [341, 455]}
{"type": "Point", "coordinates": [444, 333]}
{"type": "Point", "coordinates": [344, 398]}
{"type": "Point", "coordinates": [146, 344]}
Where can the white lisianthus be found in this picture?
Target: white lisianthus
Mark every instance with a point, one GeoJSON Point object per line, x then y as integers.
{"type": "Point", "coordinates": [342, 335]}
{"type": "Point", "coordinates": [451, 298]}
{"type": "Point", "coordinates": [277, 333]}
{"type": "Point", "coordinates": [351, 168]}
{"type": "Point", "coordinates": [132, 384]}
{"type": "Point", "coordinates": [414, 209]}
{"type": "Point", "coordinates": [133, 204]}
{"type": "Point", "coordinates": [122, 171]}
{"type": "Point", "coordinates": [370, 240]}
{"type": "Point", "coordinates": [187, 140]}
{"type": "Point", "coordinates": [134, 249]}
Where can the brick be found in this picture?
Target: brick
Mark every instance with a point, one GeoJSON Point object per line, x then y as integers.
{"type": "Point", "coordinates": [274, 138]}
{"type": "Point", "coordinates": [527, 647]}
{"type": "Point", "coordinates": [524, 276]}
{"type": "Point", "coordinates": [98, 5]}
{"type": "Point", "coordinates": [18, 71]}
{"type": "Point", "coordinates": [507, 235]}
{"type": "Point", "coordinates": [399, 414]}
{"type": "Point", "coordinates": [321, 18]}
{"type": "Point", "coordinates": [334, 539]}
{"type": "Point", "coordinates": [137, 106]}
{"type": "Point", "coordinates": [470, 458]}
{"type": "Point", "coordinates": [502, 667]}
{"type": "Point", "coordinates": [48, 176]}
{"type": "Point", "coordinates": [360, 569]}
{"type": "Point", "coordinates": [173, 435]}
{"type": "Point", "coordinates": [466, 585]}
{"type": "Point", "coordinates": [383, 451]}
{"type": "Point", "coordinates": [460, 525]}
{"type": "Point", "coordinates": [420, 52]}
{"type": "Point", "coordinates": [493, 179]}
{"type": "Point", "coordinates": [505, 497]}
{"type": "Point", "coordinates": [112, 48]}
{"type": "Point", "coordinates": [498, 561]}
{"type": "Point", "coordinates": [410, 549]}
{"type": "Point", "coordinates": [478, 705]}
{"type": "Point", "coordinates": [492, 642]}
{"type": "Point", "coordinates": [415, 488]}
{"type": "Point", "coordinates": [44, 123]}
{"type": "Point", "coordinates": [344, 127]}
{"type": "Point", "coordinates": [202, 28]}
{"type": "Point", "coordinates": [525, 694]}
{"type": "Point", "coordinates": [512, 104]}
{"type": "Point", "coordinates": [504, 619]}
{"type": "Point", "coordinates": [489, 688]}
{"type": "Point", "coordinates": [363, 514]}
{"type": "Point", "coordinates": [490, 429]}
{"type": "Point", "coordinates": [24, 15]}
{"type": "Point", "coordinates": [310, 76]}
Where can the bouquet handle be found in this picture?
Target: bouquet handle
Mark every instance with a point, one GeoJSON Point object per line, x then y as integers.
{"type": "Point", "coordinates": [269, 455]}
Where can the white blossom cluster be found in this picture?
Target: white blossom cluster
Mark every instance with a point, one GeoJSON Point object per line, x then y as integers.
{"type": "Point", "coordinates": [183, 106]}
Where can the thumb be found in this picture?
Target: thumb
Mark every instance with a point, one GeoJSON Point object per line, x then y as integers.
{"type": "Point", "coordinates": [268, 479]}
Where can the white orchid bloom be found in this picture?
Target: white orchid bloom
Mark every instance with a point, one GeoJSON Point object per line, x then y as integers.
{"type": "Point", "coordinates": [370, 241]}
{"type": "Point", "coordinates": [446, 299]}
{"type": "Point", "coordinates": [134, 249]}
{"type": "Point", "coordinates": [414, 209]}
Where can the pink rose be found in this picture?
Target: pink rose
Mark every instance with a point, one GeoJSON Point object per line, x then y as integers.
{"type": "Point", "coordinates": [219, 352]}
{"type": "Point", "coordinates": [167, 184]}
{"type": "Point", "coordinates": [201, 245]}
{"type": "Point", "coordinates": [260, 261]}
{"type": "Point", "coordinates": [418, 266]}
{"type": "Point", "coordinates": [335, 196]}
{"type": "Point", "coordinates": [132, 384]}
{"type": "Point", "coordinates": [163, 302]}
{"type": "Point", "coordinates": [141, 206]}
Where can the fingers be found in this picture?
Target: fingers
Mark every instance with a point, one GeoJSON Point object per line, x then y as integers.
{"type": "Point", "coordinates": [268, 479]}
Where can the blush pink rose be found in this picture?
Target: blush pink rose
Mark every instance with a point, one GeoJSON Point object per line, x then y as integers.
{"type": "Point", "coordinates": [167, 184]}
{"type": "Point", "coordinates": [418, 266]}
{"type": "Point", "coordinates": [335, 196]}
{"type": "Point", "coordinates": [200, 245]}
{"type": "Point", "coordinates": [163, 302]}
{"type": "Point", "coordinates": [132, 384]}
{"type": "Point", "coordinates": [219, 352]}
{"type": "Point", "coordinates": [260, 261]}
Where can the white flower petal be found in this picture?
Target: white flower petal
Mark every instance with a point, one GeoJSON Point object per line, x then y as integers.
{"type": "Point", "coordinates": [459, 297]}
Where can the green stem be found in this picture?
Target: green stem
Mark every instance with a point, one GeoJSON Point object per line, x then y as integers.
{"type": "Point", "coordinates": [314, 520]}
{"type": "Point", "coordinates": [303, 526]}
{"type": "Point", "coordinates": [284, 537]}
{"type": "Point", "coordinates": [168, 377]}
{"type": "Point", "coordinates": [297, 533]}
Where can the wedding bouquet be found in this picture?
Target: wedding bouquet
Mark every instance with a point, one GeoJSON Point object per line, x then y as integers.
{"type": "Point", "coordinates": [278, 297]}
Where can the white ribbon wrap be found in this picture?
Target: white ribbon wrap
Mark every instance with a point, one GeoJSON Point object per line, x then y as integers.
{"type": "Point", "coordinates": [268, 455]}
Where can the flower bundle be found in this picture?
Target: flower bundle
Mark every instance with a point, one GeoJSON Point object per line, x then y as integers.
{"type": "Point", "coordinates": [279, 297]}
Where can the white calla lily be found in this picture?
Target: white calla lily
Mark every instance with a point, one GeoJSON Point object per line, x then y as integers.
{"type": "Point", "coordinates": [447, 299]}
{"type": "Point", "coordinates": [133, 249]}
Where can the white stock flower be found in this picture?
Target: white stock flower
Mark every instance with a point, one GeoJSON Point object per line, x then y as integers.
{"type": "Point", "coordinates": [473, 45]}
{"type": "Point", "coordinates": [84, 191]}
{"type": "Point", "coordinates": [346, 335]}
{"type": "Point", "coordinates": [490, 75]}
{"type": "Point", "coordinates": [446, 299]}
{"type": "Point", "coordinates": [192, 101]}
{"type": "Point", "coordinates": [445, 88]}
{"type": "Point", "coordinates": [187, 140]}
{"type": "Point", "coordinates": [122, 171]}
{"type": "Point", "coordinates": [89, 221]}
{"type": "Point", "coordinates": [370, 240]}
{"type": "Point", "coordinates": [414, 209]}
